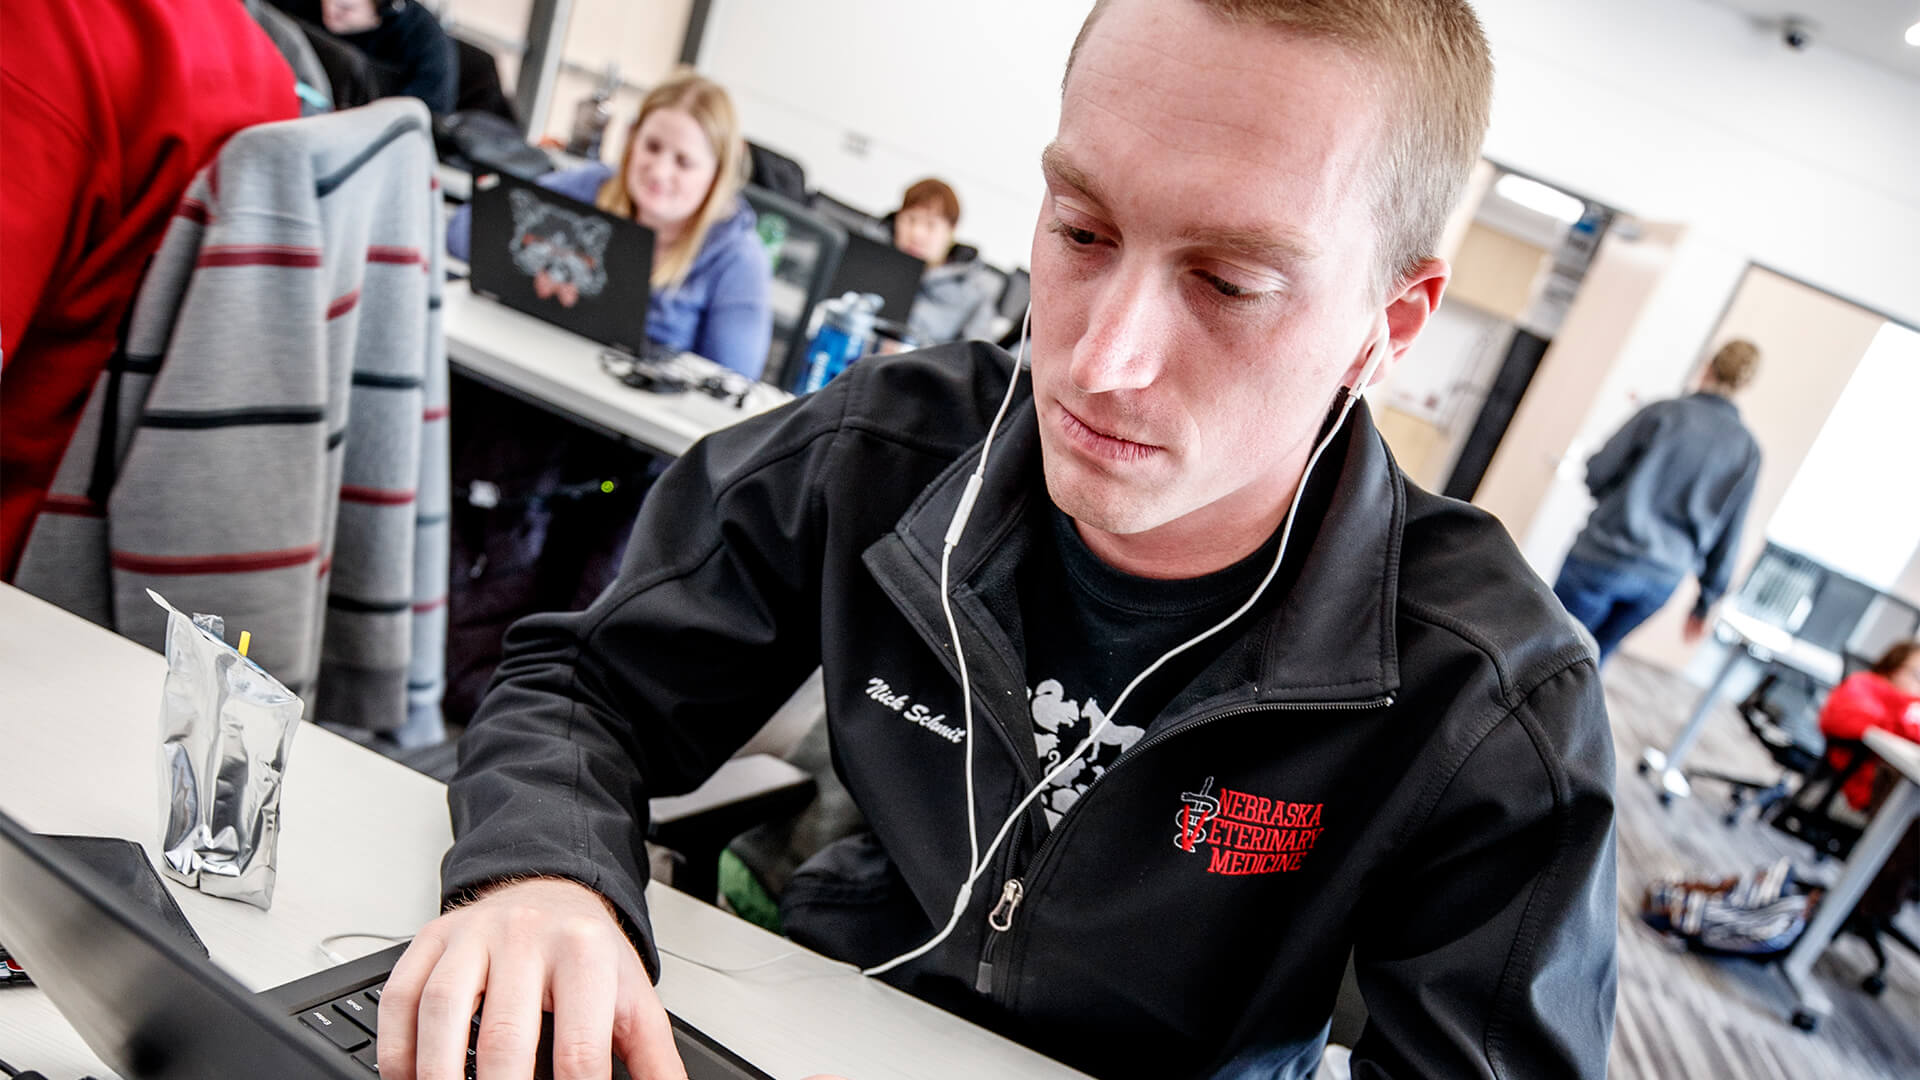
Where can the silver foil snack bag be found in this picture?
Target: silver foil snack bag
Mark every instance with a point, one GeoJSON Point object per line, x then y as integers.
{"type": "Point", "coordinates": [225, 728]}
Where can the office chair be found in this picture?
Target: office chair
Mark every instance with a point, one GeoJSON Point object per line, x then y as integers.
{"type": "Point", "coordinates": [806, 252]}
{"type": "Point", "coordinates": [478, 84]}
{"type": "Point", "coordinates": [1783, 715]}
{"type": "Point", "coordinates": [771, 170]}
{"type": "Point", "coordinates": [1810, 813]}
{"type": "Point", "coordinates": [851, 218]}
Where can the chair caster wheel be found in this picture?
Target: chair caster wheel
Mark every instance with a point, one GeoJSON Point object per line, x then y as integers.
{"type": "Point", "coordinates": [1805, 1020]}
{"type": "Point", "coordinates": [1874, 985]}
{"type": "Point", "coordinates": [1732, 818]}
{"type": "Point", "coordinates": [1641, 767]}
{"type": "Point", "coordinates": [1666, 798]}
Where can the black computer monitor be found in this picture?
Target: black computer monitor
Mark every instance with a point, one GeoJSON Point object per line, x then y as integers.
{"type": "Point", "coordinates": [872, 267]}
{"type": "Point", "coordinates": [1838, 607]}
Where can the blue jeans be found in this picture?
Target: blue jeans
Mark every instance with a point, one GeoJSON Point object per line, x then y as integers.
{"type": "Point", "coordinates": [1609, 602]}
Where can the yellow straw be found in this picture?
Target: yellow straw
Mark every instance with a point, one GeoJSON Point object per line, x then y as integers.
{"type": "Point", "coordinates": [246, 638]}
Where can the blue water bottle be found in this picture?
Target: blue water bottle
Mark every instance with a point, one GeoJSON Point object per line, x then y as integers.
{"type": "Point", "coordinates": [846, 330]}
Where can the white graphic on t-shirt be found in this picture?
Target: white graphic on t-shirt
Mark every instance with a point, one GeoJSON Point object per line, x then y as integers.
{"type": "Point", "coordinates": [1060, 725]}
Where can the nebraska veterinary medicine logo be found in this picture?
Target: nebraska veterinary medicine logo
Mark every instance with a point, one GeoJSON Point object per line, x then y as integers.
{"type": "Point", "coordinates": [1246, 834]}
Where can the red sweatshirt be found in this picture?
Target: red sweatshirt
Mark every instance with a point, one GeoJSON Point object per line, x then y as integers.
{"type": "Point", "coordinates": [107, 110]}
{"type": "Point", "coordinates": [1865, 701]}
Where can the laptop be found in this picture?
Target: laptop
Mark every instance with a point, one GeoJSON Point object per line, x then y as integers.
{"type": "Point", "coordinates": [151, 1005]}
{"type": "Point", "coordinates": [564, 262]}
{"type": "Point", "coordinates": [873, 267]}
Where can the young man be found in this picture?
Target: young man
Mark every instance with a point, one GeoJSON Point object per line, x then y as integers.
{"type": "Point", "coordinates": [1673, 485]}
{"type": "Point", "coordinates": [1398, 753]}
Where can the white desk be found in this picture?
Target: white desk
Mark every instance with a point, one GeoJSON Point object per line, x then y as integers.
{"type": "Point", "coordinates": [560, 370]}
{"type": "Point", "coordinates": [1870, 853]}
{"type": "Point", "coordinates": [1753, 640]}
{"type": "Point", "coordinates": [360, 851]}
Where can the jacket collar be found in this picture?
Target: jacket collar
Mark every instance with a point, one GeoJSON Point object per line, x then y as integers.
{"type": "Point", "coordinates": [1327, 637]}
{"type": "Point", "coordinates": [1717, 398]}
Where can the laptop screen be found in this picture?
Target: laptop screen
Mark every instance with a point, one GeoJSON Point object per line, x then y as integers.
{"type": "Point", "coordinates": [871, 267]}
{"type": "Point", "coordinates": [562, 261]}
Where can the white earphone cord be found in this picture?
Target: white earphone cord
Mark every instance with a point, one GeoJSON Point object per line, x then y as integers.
{"type": "Point", "coordinates": [978, 861]}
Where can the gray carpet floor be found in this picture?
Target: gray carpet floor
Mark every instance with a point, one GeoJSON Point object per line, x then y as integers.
{"type": "Point", "coordinates": [1684, 1016]}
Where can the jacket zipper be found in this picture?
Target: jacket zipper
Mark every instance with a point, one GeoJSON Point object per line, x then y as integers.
{"type": "Point", "coordinates": [1000, 920]}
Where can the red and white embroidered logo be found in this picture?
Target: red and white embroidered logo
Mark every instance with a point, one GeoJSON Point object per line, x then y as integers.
{"type": "Point", "coordinates": [1246, 834]}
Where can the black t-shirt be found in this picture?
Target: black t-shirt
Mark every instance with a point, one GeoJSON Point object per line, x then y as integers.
{"type": "Point", "coordinates": [1089, 629]}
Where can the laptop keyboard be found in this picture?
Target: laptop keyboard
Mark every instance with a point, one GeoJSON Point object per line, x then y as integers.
{"type": "Point", "coordinates": [352, 1024]}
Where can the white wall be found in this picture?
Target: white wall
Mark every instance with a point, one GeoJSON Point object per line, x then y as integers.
{"type": "Point", "coordinates": [1662, 349]}
{"type": "Point", "coordinates": [1674, 110]}
{"type": "Point", "coordinates": [966, 91]}
{"type": "Point", "coordinates": [1677, 110]}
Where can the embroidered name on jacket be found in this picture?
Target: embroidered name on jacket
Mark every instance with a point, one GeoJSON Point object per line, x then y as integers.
{"type": "Point", "coordinates": [1246, 834]}
{"type": "Point", "coordinates": [879, 690]}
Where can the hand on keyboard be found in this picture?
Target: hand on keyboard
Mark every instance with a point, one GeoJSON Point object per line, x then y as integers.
{"type": "Point", "coordinates": [529, 946]}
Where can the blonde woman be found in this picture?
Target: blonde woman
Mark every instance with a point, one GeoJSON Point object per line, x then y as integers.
{"type": "Point", "coordinates": [680, 176]}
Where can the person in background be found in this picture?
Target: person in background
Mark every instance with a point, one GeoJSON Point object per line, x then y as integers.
{"type": "Point", "coordinates": [956, 297]}
{"type": "Point", "coordinates": [106, 113]}
{"type": "Point", "coordinates": [411, 54]}
{"type": "Point", "coordinates": [1673, 486]}
{"type": "Point", "coordinates": [681, 176]}
{"type": "Point", "coordinates": [1883, 696]}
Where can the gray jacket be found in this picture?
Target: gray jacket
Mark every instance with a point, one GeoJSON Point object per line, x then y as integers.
{"type": "Point", "coordinates": [270, 444]}
{"type": "Point", "coordinates": [954, 303]}
{"type": "Point", "coordinates": [1673, 485]}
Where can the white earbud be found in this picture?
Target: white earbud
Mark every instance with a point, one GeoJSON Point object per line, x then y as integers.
{"type": "Point", "coordinates": [1378, 350]}
{"type": "Point", "coordinates": [977, 860]}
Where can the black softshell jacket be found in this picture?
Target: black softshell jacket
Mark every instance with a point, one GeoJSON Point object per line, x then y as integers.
{"type": "Point", "coordinates": [1402, 754]}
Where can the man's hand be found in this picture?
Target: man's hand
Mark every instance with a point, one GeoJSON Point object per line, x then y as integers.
{"type": "Point", "coordinates": [527, 947]}
{"type": "Point", "coordinates": [1695, 630]}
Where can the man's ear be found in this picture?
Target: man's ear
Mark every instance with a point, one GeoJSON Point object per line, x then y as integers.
{"type": "Point", "coordinates": [1407, 312]}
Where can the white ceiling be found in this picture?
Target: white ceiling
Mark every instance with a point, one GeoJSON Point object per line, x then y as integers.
{"type": "Point", "coordinates": [1871, 30]}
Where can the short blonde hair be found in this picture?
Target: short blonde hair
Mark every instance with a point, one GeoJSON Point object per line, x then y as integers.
{"type": "Point", "coordinates": [707, 102]}
{"type": "Point", "coordinates": [1439, 94]}
{"type": "Point", "coordinates": [1735, 365]}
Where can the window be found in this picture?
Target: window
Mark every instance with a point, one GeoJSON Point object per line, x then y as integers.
{"type": "Point", "coordinates": [1852, 505]}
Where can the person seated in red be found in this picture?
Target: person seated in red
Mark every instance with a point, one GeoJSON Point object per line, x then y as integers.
{"type": "Point", "coordinates": [106, 113]}
{"type": "Point", "coordinates": [1882, 696]}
